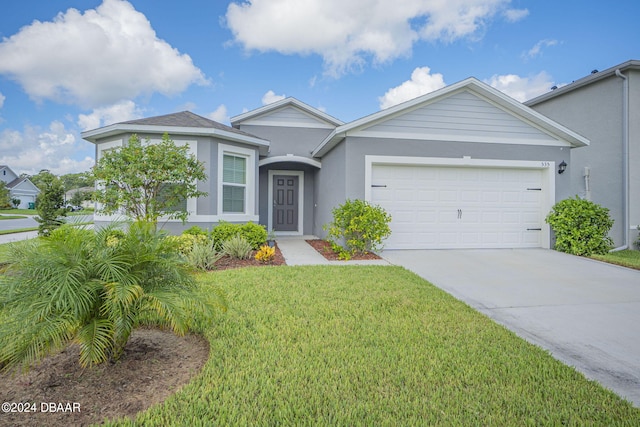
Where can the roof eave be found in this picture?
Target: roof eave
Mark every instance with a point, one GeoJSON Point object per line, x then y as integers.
{"type": "Point", "coordinates": [609, 72]}
{"type": "Point", "coordinates": [118, 128]}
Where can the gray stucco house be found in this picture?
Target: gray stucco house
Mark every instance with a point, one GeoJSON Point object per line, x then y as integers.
{"type": "Point", "coordinates": [20, 188]}
{"type": "Point", "coordinates": [462, 167]}
{"type": "Point", "coordinates": [605, 108]}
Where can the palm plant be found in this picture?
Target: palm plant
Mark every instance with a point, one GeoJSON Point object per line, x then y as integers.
{"type": "Point", "coordinates": [94, 288]}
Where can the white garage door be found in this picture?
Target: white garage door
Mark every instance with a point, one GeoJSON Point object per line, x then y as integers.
{"type": "Point", "coordinates": [438, 207]}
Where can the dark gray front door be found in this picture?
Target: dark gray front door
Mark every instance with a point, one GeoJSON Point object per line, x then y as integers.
{"type": "Point", "coordinates": [285, 203]}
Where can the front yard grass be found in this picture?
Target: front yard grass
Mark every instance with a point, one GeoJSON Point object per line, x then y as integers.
{"type": "Point", "coordinates": [372, 345]}
{"type": "Point", "coordinates": [625, 258]}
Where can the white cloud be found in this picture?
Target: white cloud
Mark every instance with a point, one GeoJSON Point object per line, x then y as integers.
{"type": "Point", "coordinates": [116, 113]}
{"type": "Point", "coordinates": [34, 149]}
{"type": "Point", "coordinates": [220, 115]}
{"type": "Point", "coordinates": [537, 48]}
{"type": "Point", "coordinates": [522, 88]}
{"type": "Point", "coordinates": [2, 98]}
{"type": "Point", "coordinates": [95, 58]}
{"type": "Point", "coordinates": [270, 97]}
{"type": "Point", "coordinates": [422, 82]}
{"type": "Point", "coordinates": [515, 15]}
{"type": "Point", "coordinates": [349, 34]}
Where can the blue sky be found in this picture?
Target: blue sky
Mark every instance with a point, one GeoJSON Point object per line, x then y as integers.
{"type": "Point", "coordinates": [72, 65]}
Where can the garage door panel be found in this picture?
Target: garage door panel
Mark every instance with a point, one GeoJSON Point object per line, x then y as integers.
{"type": "Point", "coordinates": [460, 207]}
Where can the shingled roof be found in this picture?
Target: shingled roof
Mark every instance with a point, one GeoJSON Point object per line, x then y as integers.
{"type": "Point", "coordinates": [185, 123]}
{"type": "Point", "coordinates": [184, 119]}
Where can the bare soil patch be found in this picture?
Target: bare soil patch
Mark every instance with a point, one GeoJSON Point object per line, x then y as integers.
{"type": "Point", "coordinates": [155, 365]}
{"type": "Point", "coordinates": [324, 248]}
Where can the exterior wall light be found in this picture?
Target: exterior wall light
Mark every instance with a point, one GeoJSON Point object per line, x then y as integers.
{"type": "Point", "coordinates": [562, 167]}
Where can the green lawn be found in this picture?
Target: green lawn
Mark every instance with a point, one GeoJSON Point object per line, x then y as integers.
{"type": "Point", "coordinates": [338, 345]}
{"type": "Point", "coordinates": [626, 258]}
{"type": "Point", "coordinates": [2, 216]}
{"type": "Point", "coordinates": [18, 212]}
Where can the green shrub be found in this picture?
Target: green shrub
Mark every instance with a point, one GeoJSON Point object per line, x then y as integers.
{"type": "Point", "coordinates": [237, 247]}
{"type": "Point", "coordinates": [76, 287]}
{"type": "Point", "coordinates": [203, 255]}
{"type": "Point", "coordinates": [195, 231]}
{"type": "Point", "coordinates": [184, 243]}
{"type": "Point", "coordinates": [255, 234]}
{"type": "Point", "coordinates": [359, 226]}
{"type": "Point", "coordinates": [581, 227]}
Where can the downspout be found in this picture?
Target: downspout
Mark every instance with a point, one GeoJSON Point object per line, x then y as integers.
{"type": "Point", "coordinates": [625, 159]}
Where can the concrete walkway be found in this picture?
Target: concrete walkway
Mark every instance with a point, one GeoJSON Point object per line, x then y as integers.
{"type": "Point", "coordinates": [14, 237]}
{"type": "Point", "coordinates": [296, 251]}
{"type": "Point", "coordinates": [585, 312]}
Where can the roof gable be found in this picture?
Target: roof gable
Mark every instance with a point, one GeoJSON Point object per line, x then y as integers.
{"type": "Point", "coordinates": [469, 111]}
{"type": "Point", "coordinates": [6, 174]}
{"type": "Point", "coordinates": [288, 112]}
{"type": "Point", "coordinates": [23, 184]}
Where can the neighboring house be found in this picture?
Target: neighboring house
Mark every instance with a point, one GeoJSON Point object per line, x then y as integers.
{"type": "Point", "coordinates": [19, 188]}
{"type": "Point", "coordinates": [84, 190]}
{"type": "Point", "coordinates": [604, 107]}
{"type": "Point", "coordinates": [463, 167]}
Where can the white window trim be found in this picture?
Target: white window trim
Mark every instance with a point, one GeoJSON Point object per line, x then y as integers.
{"type": "Point", "coordinates": [300, 175]}
{"type": "Point", "coordinates": [250, 203]}
{"type": "Point", "coordinates": [548, 177]}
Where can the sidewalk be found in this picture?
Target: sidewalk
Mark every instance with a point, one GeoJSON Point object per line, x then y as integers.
{"type": "Point", "coordinates": [298, 252]}
{"type": "Point", "coordinates": [14, 237]}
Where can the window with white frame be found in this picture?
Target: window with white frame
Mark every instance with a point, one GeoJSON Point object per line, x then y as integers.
{"type": "Point", "coordinates": [234, 183]}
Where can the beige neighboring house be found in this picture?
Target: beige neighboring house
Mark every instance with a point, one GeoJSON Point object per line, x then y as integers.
{"type": "Point", "coordinates": [86, 203]}
{"type": "Point", "coordinates": [19, 188]}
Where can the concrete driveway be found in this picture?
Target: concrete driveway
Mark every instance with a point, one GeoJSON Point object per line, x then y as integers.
{"type": "Point", "coordinates": [586, 313]}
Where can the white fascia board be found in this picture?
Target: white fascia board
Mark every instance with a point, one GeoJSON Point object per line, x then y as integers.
{"type": "Point", "coordinates": [115, 129]}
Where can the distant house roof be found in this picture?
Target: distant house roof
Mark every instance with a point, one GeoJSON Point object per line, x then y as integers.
{"type": "Point", "coordinates": [17, 182]}
{"type": "Point", "coordinates": [591, 78]}
{"type": "Point", "coordinates": [183, 123]}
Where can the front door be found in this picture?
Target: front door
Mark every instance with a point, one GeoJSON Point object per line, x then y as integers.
{"type": "Point", "coordinates": [285, 203]}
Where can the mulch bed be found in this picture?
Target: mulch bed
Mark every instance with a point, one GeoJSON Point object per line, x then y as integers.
{"type": "Point", "coordinates": [155, 364]}
{"type": "Point", "coordinates": [227, 262]}
{"type": "Point", "coordinates": [324, 248]}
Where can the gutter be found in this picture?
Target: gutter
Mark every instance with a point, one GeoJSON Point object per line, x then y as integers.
{"type": "Point", "coordinates": [625, 159]}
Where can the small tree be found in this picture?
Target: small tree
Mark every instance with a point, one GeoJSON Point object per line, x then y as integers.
{"type": "Point", "coordinates": [5, 198]}
{"type": "Point", "coordinates": [148, 181]}
{"type": "Point", "coordinates": [15, 202]}
{"type": "Point", "coordinates": [77, 198]}
{"type": "Point", "coordinates": [93, 288]}
{"type": "Point", "coordinates": [50, 204]}
{"type": "Point", "coordinates": [581, 227]}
